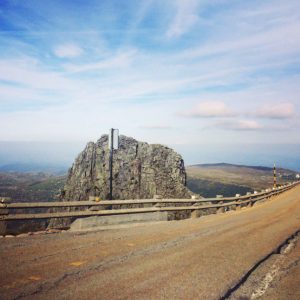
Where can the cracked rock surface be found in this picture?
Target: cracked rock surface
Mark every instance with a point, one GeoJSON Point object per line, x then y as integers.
{"type": "Point", "coordinates": [140, 171]}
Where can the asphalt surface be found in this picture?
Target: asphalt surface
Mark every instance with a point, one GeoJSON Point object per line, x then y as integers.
{"type": "Point", "coordinates": [214, 257]}
{"type": "Point", "coordinates": [287, 284]}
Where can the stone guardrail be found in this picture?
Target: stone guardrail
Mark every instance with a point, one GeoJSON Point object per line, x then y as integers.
{"type": "Point", "coordinates": [114, 206]}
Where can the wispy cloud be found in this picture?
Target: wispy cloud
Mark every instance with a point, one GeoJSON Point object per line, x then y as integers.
{"type": "Point", "coordinates": [250, 125]}
{"type": "Point", "coordinates": [119, 60]}
{"type": "Point", "coordinates": [185, 18]}
{"type": "Point", "coordinates": [239, 125]}
{"type": "Point", "coordinates": [213, 109]}
{"type": "Point", "coordinates": [67, 51]}
{"type": "Point", "coordinates": [155, 127]}
{"type": "Point", "coordinates": [275, 111]}
{"type": "Point", "coordinates": [30, 72]}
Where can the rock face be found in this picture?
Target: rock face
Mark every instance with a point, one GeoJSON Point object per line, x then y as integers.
{"type": "Point", "coordinates": [140, 171]}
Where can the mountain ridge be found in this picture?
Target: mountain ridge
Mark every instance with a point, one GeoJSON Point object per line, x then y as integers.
{"type": "Point", "coordinates": [256, 167]}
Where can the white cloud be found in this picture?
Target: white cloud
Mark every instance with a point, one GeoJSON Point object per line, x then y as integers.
{"type": "Point", "coordinates": [29, 72]}
{"type": "Point", "coordinates": [67, 51]}
{"type": "Point", "coordinates": [243, 125]}
{"type": "Point", "coordinates": [212, 109]}
{"type": "Point", "coordinates": [117, 61]}
{"type": "Point", "coordinates": [156, 127]}
{"type": "Point", "coordinates": [262, 46]}
{"type": "Point", "coordinates": [9, 93]}
{"type": "Point", "coordinates": [186, 17]}
{"type": "Point", "coordinates": [276, 111]}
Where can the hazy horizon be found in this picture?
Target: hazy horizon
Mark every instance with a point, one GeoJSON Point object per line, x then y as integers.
{"type": "Point", "coordinates": [63, 154]}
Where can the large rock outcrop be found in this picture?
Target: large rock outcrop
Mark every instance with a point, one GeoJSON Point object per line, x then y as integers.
{"type": "Point", "coordinates": [140, 171]}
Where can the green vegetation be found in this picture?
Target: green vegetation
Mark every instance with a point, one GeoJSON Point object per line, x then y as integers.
{"type": "Point", "coordinates": [30, 187]}
{"type": "Point", "coordinates": [208, 180]}
{"type": "Point", "coordinates": [209, 189]}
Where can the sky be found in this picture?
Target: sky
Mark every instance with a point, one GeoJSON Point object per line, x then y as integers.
{"type": "Point", "coordinates": [214, 78]}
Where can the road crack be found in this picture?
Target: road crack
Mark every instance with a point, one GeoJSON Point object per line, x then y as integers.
{"type": "Point", "coordinates": [258, 279]}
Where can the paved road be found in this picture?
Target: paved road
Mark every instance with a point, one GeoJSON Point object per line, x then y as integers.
{"type": "Point", "coordinates": [206, 258]}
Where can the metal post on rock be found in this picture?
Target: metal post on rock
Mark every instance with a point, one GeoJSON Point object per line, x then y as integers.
{"type": "Point", "coordinates": [275, 179]}
{"type": "Point", "coordinates": [113, 144]}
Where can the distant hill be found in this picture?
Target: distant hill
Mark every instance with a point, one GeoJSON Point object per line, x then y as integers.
{"type": "Point", "coordinates": [34, 167]}
{"type": "Point", "coordinates": [229, 179]}
{"type": "Point", "coordinates": [225, 165]}
{"type": "Point", "coordinates": [30, 187]}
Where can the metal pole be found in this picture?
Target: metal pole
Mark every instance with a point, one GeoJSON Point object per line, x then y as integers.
{"type": "Point", "coordinates": [111, 164]}
{"type": "Point", "coordinates": [275, 179]}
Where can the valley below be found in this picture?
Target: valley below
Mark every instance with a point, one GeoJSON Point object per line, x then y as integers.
{"type": "Point", "coordinates": [208, 180]}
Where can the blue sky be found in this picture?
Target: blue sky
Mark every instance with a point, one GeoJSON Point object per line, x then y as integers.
{"type": "Point", "coordinates": [185, 73]}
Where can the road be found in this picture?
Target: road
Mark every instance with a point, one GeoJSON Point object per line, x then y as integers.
{"type": "Point", "coordinates": [253, 252]}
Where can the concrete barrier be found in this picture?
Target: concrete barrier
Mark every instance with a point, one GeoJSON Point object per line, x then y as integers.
{"type": "Point", "coordinates": [4, 211]}
{"type": "Point", "coordinates": [3, 226]}
{"type": "Point", "coordinates": [94, 222]}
